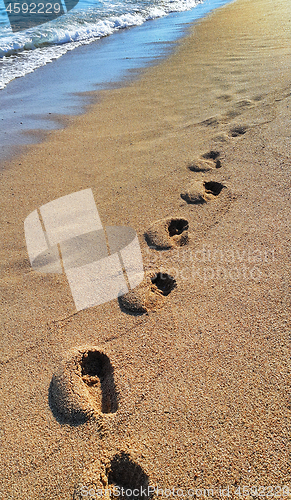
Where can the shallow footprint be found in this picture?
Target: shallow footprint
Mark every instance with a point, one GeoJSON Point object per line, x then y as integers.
{"type": "Point", "coordinates": [245, 103]}
{"type": "Point", "coordinates": [238, 130]}
{"type": "Point", "coordinates": [107, 480]}
{"type": "Point", "coordinates": [149, 295]}
{"type": "Point", "coordinates": [199, 192]}
{"type": "Point", "coordinates": [167, 233]}
{"type": "Point", "coordinates": [207, 161]}
{"type": "Point", "coordinates": [83, 386]}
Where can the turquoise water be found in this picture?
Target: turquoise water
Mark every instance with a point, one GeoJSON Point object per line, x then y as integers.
{"type": "Point", "coordinates": [31, 102]}
{"type": "Point", "coordinates": [25, 51]}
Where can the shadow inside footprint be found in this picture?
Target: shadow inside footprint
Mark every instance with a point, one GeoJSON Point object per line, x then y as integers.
{"type": "Point", "coordinates": [124, 473]}
{"type": "Point", "coordinates": [98, 371]}
{"type": "Point", "coordinates": [82, 387]}
{"type": "Point", "coordinates": [213, 187]}
{"type": "Point", "coordinates": [164, 282]}
{"type": "Point", "coordinates": [177, 226]}
{"type": "Point", "coordinates": [238, 130]}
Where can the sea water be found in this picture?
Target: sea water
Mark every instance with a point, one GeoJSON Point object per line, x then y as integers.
{"type": "Point", "coordinates": [94, 44]}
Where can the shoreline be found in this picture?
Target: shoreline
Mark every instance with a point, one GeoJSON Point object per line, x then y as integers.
{"type": "Point", "coordinates": [202, 380]}
{"type": "Point", "coordinates": [109, 62]}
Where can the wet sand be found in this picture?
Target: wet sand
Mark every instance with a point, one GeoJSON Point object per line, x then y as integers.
{"type": "Point", "coordinates": [202, 377]}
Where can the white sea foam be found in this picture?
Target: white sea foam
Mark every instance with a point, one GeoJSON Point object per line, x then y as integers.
{"type": "Point", "coordinates": [23, 52]}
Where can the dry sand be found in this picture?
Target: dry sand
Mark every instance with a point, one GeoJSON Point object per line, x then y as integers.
{"type": "Point", "coordinates": [202, 381]}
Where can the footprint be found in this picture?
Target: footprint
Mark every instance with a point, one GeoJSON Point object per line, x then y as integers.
{"type": "Point", "coordinates": [238, 130]}
{"type": "Point", "coordinates": [245, 103]}
{"type": "Point", "coordinates": [164, 283]}
{"type": "Point", "coordinates": [208, 161]}
{"type": "Point", "coordinates": [200, 191]}
{"type": "Point", "coordinates": [167, 233]}
{"type": "Point", "coordinates": [149, 295]}
{"type": "Point", "coordinates": [210, 122]}
{"type": "Point", "coordinates": [233, 113]}
{"type": "Point", "coordinates": [221, 137]}
{"type": "Point", "coordinates": [83, 386]}
{"type": "Point", "coordinates": [258, 97]}
{"type": "Point", "coordinates": [123, 472]}
{"type": "Point", "coordinates": [107, 480]}
{"type": "Point", "coordinates": [225, 97]}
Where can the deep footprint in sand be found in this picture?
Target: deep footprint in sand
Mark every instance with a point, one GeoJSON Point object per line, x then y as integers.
{"type": "Point", "coordinates": [83, 386]}
{"type": "Point", "coordinates": [200, 191]}
{"type": "Point", "coordinates": [106, 480]}
{"type": "Point", "coordinates": [167, 233]}
{"type": "Point", "coordinates": [208, 161]}
{"type": "Point", "coordinates": [149, 295]}
{"type": "Point", "coordinates": [123, 472]}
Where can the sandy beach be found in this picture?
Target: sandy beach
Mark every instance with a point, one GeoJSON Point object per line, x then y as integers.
{"type": "Point", "coordinates": [200, 375]}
